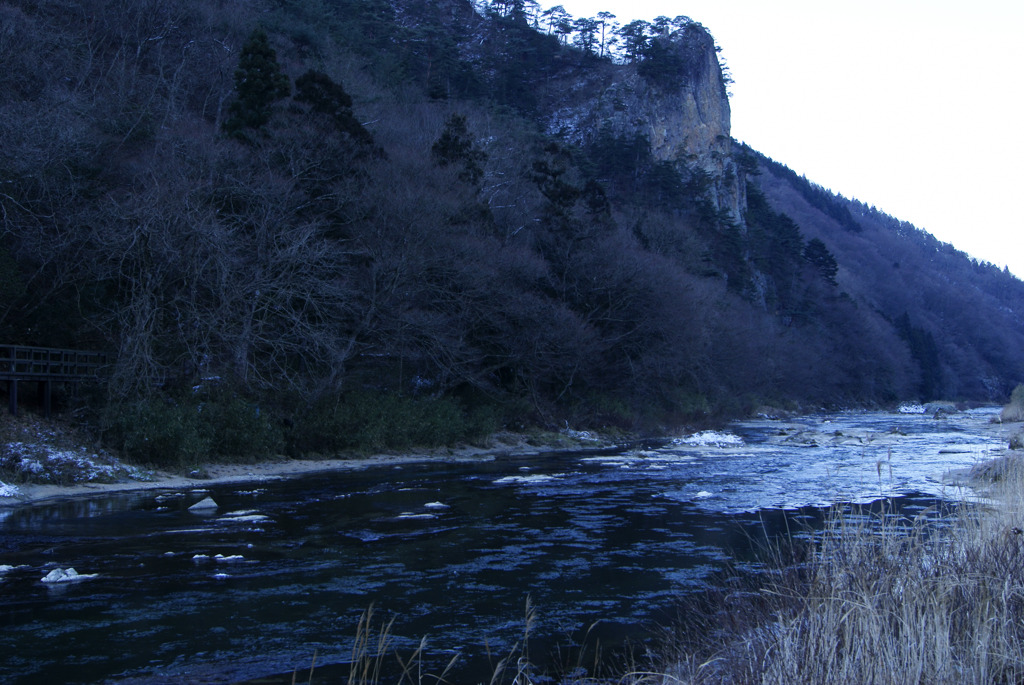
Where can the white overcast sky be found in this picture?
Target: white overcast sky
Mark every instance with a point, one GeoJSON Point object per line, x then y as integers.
{"type": "Point", "coordinates": [913, 106]}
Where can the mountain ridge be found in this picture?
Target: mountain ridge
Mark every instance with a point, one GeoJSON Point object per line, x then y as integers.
{"type": "Point", "coordinates": [453, 209]}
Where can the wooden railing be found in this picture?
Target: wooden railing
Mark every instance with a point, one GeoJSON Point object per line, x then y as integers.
{"type": "Point", "coordinates": [46, 365]}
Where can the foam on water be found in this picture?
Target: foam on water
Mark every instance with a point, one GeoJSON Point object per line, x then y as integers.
{"type": "Point", "coordinates": [710, 439]}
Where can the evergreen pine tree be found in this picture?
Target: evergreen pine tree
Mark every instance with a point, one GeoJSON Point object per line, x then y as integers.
{"type": "Point", "coordinates": [259, 83]}
{"type": "Point", "coordinates": [456, 146]}
{"type": "Point", "coordinates": [328, 98]}
{"type": "Point", "coordinates": [817, 254]}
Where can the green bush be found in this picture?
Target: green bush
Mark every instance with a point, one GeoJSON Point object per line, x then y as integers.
{"type": "Point", "coordinates": [482, 421]}
{"type": "Point", "coordinates": [176, 434]}
{"type": "Point", "coordinates": [238, 428]}
{"type": "Point", "coordinates": [157, 431]}
{"type": "Point", "coordinates": [222, 425]}
{"type": "Point", "coordinates": [368, 421]}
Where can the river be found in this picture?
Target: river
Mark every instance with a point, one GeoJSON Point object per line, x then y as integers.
{"type": "Point", "coordinates": [605, 538]}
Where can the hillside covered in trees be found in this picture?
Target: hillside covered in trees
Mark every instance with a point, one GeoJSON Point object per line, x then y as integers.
{"type": "Point", "coordinates": [315, 225]}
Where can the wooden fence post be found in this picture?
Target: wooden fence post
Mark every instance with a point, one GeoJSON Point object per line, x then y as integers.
{"type": "Point", "coordinates": [45, 388]}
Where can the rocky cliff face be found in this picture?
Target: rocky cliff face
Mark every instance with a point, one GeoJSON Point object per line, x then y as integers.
{"type": "Point", "coordinates": [676, 98]}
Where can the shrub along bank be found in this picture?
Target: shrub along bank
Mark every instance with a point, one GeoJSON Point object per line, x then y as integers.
{"type": "Point", "coordinates": [227, 427]}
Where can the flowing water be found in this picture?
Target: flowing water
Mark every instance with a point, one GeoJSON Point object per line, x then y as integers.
{"type": "Point", "coordinates": [449, 550]}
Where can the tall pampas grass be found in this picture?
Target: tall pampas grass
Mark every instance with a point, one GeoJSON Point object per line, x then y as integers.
{"type": "Point", "coordinates": [876, 598]}
{"type": "Point", "coordinates": [1014, 410]}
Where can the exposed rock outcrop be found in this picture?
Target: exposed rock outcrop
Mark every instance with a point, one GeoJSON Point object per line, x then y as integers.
{"type": "Point", "coordinates": [676, 99]}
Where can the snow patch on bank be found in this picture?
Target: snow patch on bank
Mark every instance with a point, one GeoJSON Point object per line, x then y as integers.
{"type": "Point", "coordinates": [42, 463]}
{"type": "Point", "coordinates": [581, 436]}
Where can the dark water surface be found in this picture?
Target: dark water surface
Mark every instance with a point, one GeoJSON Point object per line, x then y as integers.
{"type": "Point", "coordinates": [450, 551]}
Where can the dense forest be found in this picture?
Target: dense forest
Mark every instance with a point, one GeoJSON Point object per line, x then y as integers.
{"type": "Point", "coordinates": [313, 225]}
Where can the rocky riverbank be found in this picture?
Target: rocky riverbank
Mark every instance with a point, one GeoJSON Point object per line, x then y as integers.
{"type": "Point", "coordinates": [42, 460]}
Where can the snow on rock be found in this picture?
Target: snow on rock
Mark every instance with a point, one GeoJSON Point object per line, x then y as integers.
{"type": "Point", "coordinates": [206, 504]}
{"type": "Point", "coordinates": [622, 461]}
{"type": "Point", "coordinates": [245, 516]}
{"type": "Point", "coordinates": [626, 460]}
{"type": "Point", "coordinates": [524, 480]}
{"type": "Point", "coordinates": [435, 505]}
{"type": "Point", "coordinates": [709, 439]}
{"type": "Point", "coordinates": [8, 490]}
{"type": "Point", "coordinates": [69, 575]}
{"type": "Point", "coordinates": [242, 512]}
{"type": "Point", "coordinates": [940, 408]}
{"type": "Point", "coordinates": [911, 408]}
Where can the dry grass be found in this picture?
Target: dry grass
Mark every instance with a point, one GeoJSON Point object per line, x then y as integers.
{"type": "Point", "coordinates": [1014, 410]}
{"type": "Point", "coordinates": [375, 660]}
{"type": "Point", "coordinates": [877, 600]}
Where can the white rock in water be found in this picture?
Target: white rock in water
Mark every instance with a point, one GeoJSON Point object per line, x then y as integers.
{"type": "Point", "coordinates": [205, 504]}
{"type": "Point", "coordinates": [59, 575]}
